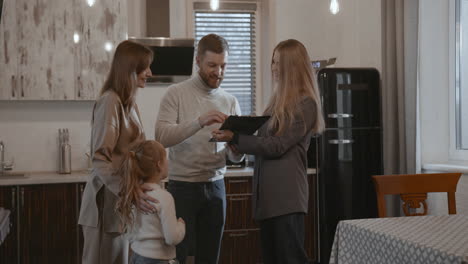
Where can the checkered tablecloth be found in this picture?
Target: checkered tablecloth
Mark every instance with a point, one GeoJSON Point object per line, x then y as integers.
{"type": "Point", "coordinates": [416, 239]}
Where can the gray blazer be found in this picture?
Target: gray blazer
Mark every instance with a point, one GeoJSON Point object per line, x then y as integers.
{"type": "Point", "coordinates": [280, 176]}
{"type": "Point", "coordinates": [114, 132]}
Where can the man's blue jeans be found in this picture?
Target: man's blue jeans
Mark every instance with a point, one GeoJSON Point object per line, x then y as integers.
{"type": "Point", "coordinates": [202, 205]}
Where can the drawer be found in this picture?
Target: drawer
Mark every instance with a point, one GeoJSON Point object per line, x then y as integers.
{"type": "Point", "coordinates": [239, 212]}
{"type": "Point", "coordinates": [242, 246]}
{"type": "Point", "coordinates": [238, 185]}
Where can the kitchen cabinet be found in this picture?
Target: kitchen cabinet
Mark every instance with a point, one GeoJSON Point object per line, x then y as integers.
{"type": "Point", "coordinates": [241, 235]}
{"type": "Point", "coordinates": [58, 50]}
{"type": "Point", "coordinates": [46, 227]}
{"type": "Point", "coordinates": [9, 247]}
{"type": "Point", "coordinates": [101, 28]}
{"type": "Point", "coordinates": [44, 48]}
{"type": "Point", "coordinates": [48, 223]}
{"type": "Point", "coordinates": [8, 52]}
{"type": "Point", "coordinates": [241, 238]}
{"type": "Point", "coordinates": [79, 235]}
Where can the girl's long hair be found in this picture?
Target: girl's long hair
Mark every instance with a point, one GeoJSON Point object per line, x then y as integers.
{"type": "Point", "coordinates": [141, 163]}
{"type": "Point", "coordinates": [296, 81]}
{"type": "Point", "coordinates": [130, 59]}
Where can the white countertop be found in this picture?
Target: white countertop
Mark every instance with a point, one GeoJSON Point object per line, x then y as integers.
{"type": "Point", "coordinates": [82, 176]}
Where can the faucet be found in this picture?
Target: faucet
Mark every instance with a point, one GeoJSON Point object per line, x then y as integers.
{"type": "Point", "coordinates": [2, 157]}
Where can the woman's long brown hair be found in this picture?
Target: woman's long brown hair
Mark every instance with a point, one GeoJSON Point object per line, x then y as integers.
{"type": "Point", "coordinates": [130, 59]}
{"type": "Point", "coordinates": [140, 164]}
{"type": "Point", "coordinates": [296, 80]}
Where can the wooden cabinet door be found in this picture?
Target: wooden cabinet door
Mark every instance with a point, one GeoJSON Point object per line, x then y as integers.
{"type": "Point", "coordinates": [101, 28]}
{"type": "Point", "coordinates": [9, 247]}
{"type": "Point", "coordinates": [80, 190]}
{"type": "Point", "coordinates": [48, 223]}
{"type": "Point", "coordinates": [45, 49]}
{"type": "Point", "coordinates": [241, 246]}
{"type": "Point", "coordinates": [8, 52]}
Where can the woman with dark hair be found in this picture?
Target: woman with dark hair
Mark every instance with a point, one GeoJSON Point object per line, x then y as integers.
{"type": "Point", "coordinates": [280, 177]}
{"type": "Point", "coordinates": [116, 128]}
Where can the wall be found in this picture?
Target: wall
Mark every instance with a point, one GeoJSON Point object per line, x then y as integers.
{"type": "Point", "coordinates": [435, 103]}
{"type": "Point", "coordinates": [433, 81]}
{"type": "Point", "coordinates": [353, 35]}
{"type": "Point", "coordinates": [29, 129]}
{"type": "Point", "coordinates": [157, 22]}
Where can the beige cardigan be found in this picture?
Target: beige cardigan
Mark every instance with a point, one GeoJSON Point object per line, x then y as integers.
{"type": "Point", "coordinates": [114, 132]}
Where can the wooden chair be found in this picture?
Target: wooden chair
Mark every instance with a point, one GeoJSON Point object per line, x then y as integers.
{"type": "Point", "coordinates": [413, 189]}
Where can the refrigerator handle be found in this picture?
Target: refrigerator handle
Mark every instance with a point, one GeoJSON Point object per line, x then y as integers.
{"type": "Point", "coordinates": [340, 115]}
{"type": "Point", "coordinates": [340, 141]}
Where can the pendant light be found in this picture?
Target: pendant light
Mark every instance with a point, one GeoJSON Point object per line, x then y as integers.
{"type": "Point", "coordinates": [334, 7]}
{"type": "Point", "coordinates": [214, 4]}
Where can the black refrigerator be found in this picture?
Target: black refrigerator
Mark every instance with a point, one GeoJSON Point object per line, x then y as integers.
{"type": "Point", "coordinates": [349, 151]}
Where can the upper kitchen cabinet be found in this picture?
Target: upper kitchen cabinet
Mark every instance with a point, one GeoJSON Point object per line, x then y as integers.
{"type": "Point", "coordinates": [58, 50]}
{"type": "Point", "coordinates": [8, 51]}
{"type": "Point", "coordinates": [44, 50]}
{"type": "Point", "coordinates": [100, 26]}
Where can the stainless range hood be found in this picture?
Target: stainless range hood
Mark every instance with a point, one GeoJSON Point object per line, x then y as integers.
{"type": "Point", "coordinates": [173, 58]}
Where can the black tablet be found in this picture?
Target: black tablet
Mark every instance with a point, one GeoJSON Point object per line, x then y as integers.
{"type": "Point", "coordinates": [246, 125]}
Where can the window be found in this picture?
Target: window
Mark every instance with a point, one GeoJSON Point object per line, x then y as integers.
{"type": "Point", "coordinates": [236, 23]}
{"type": "Point", "coordinates": [461, 74]}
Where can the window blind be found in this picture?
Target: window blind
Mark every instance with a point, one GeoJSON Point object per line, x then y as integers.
{"type": "Point", "coordinates": [238, 28]}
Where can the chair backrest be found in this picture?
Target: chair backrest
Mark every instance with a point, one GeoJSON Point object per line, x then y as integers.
{"type": "Point", "coordinates": [413, 189]}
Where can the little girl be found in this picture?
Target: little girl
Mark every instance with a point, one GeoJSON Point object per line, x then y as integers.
{"type": "Point", "coordinates": [153, 236]}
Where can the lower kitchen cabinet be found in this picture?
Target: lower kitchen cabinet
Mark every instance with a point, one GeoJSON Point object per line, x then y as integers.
{"type": "Point", "coordinates": [241, 246]}
{"type": "Point", "coordinates": [9, 247]}
{"type": "Point", "coordinates": [45, 230]}
{"type": "Point", "coordinates": [48, 224]}
{"type": "Point", "coordinates": [241, 238]}
{"type": "Point", "coordinates": [79, 236]}
{"type": "Point", "coordinates": [44, 224]}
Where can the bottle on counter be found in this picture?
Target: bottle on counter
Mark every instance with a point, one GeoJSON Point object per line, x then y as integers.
{"type": "Point", "coordinates": [64, 152]}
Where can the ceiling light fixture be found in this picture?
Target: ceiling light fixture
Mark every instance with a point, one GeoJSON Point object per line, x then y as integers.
{"type": "Point", "coordinates": [334, 7]}
{"type": "Point", "coordinates": [76, 37]}
{"type": "Point", "coordinates": [214, 4]}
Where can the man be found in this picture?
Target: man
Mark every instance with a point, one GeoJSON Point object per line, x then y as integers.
{"type": "Point", "coordinates": [188, 113]}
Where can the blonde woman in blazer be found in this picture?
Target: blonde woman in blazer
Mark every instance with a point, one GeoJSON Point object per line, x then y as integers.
{"type": "Point", "coordinates": [116, 127]}
{"type": "Point", "coordinates": [281, 194]}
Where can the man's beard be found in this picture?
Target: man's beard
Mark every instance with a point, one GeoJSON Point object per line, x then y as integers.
{"type": "Point", "coordinates": [210, 81]}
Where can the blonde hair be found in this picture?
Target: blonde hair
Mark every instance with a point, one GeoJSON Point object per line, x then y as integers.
{"type": "Point", "coordinates": [296, 80]}
{"type": "Point", "coordinates": [130, 59]}
{"type": "Point", "coordinates": [139, 164]}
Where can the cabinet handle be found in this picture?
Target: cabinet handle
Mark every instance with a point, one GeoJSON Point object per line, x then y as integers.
{"type": "Point", "coordinates": [13, 86]}
{"type": "Point", "coordinates": [239, 235]}
{"type": "Point", "coordinates": [22, 85]}
{"type": "Point", "coordinates": [79, 86]}
{"type": "Point", "coordinates": [340, 141]}
{"type": "Point", "coordinates": [22, 197]}
{"type": "Point", "coordinates": [238, 199]}
{"type": "Point", "coordinates": [13, 198]}
{"type": "Point", "coordinates": [238, 181]}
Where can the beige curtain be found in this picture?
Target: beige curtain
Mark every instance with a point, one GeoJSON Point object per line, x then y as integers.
{"type": "Point", "coordinates": [399, 89]}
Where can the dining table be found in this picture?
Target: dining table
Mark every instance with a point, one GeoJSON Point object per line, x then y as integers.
{"type": "Point", "coordinates": [408, 239]}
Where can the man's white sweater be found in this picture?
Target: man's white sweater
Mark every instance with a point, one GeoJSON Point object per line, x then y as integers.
{"type": "Point", "coordinates": [192, 158]}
